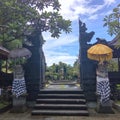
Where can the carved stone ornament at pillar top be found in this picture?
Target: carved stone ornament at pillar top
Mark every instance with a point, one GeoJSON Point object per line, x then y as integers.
{"type": "Point", "coordinates": [18, 72]}
{"type": "Point", "coordinates": [84, 36]}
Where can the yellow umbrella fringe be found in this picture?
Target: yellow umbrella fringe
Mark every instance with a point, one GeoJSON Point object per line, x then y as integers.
{"type": "Point", "coordinates": [104, 57]}
{"type": "Point", "coordinates": [99, 49]}
{"type": "Point", "coordinates": [100, 52]}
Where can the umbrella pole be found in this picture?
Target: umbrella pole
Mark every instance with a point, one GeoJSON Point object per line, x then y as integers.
{"type": "Point", "coordinates": [118, 64]}
{"type": "Point", "coordinates": [15, 61]}
{"type": "Point", "coordinates": [6, 66]}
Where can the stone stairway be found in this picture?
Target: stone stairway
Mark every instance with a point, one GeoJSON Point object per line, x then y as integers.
{"type": "Point", "coordinates": [60, 102]}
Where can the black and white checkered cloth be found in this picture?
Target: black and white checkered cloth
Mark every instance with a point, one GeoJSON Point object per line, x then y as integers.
{"type": "Point", "coordinates": [19, 87]}
{"type": "Point", "coordinates": [103, 89]}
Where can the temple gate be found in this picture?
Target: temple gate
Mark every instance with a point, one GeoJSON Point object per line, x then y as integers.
{"type": "Point", "coordinates": [87, 66]}
{"type": "Point", "coordinates": [35, 66]}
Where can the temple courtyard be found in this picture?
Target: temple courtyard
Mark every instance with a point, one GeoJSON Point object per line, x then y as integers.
{"type": "Point", "coordinates": [27, 116]}
{"type": "Point", "coordinates": [93, 115]}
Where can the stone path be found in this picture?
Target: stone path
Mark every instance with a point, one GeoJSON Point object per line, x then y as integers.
{"type": "Point", "coordinates": [63, 85]}
{"type": "Point", "coordinates": [27, 116]}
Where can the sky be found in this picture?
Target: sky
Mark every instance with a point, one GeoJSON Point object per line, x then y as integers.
{"type": "Point", "coordinates": [91, 12]}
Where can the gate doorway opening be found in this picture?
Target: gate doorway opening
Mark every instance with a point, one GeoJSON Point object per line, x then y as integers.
{"type": "Point", "coordinates": [62, 76]}
{"type": "Point", "coordinates": [62, 85]}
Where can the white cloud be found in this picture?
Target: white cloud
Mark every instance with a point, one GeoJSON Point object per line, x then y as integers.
{"type": "Point", "coordinates": [64, 39]}
{"type": "Point", "coordinates": [72, 9]}
{"type": "Point", "coordinates": [56, 57]}
{"type": "Point", "coordinates": [75, 8]}
{"type": "Point", "coordinates": [93, 17]}
{"type": "Point", "coordinates": [109, 2]}
{"type": "Point", "coordinates": [52, 46]}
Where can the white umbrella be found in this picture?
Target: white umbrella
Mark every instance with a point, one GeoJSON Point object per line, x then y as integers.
{"type": "Point", "coordinates": [19, 53]}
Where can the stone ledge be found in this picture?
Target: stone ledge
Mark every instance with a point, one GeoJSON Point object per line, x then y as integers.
{"type": "Point", "coordinates": [116, 106]}
{"type": "Point", "coordinates": [6, 108]}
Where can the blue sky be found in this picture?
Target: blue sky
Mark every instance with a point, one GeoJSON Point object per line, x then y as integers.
{"type": "Point", "coordinates": [92, 12]}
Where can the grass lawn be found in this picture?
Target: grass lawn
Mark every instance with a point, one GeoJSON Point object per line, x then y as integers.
{"type": "Point", "coordinates": [118, 102]}
{"type": "Point", "coordinates": [3, 104]}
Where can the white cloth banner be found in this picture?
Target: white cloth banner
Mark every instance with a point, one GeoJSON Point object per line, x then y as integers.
{"type": "Point", "coordinates": [19, 87]}
{"type": "Point", "coordinates": [103, 89]}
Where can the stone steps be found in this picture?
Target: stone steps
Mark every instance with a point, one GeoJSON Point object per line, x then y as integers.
{"type": "Point", "coordinates": [61, 112]}
{"type": "Point", "coordinates": [64, 96]}
{"type": "Point", "coordinates": [60, 106]}
{"type": "Point", "coordinates": [60, 102]}
{"type": "Point", "coordinates": [57, 91]}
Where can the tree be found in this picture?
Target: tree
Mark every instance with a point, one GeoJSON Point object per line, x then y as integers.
{"type": "Point", "coordinates": [76, 71]}
{"type": "Point", "coordinates": [21, 17]}
{"type": "Point", "coordinates": [13, 22]}
{"type": "Point", "coordinates": [24, 21]}
{"type": "Point", "coordinates": [113, 65]}
{"type": "Point", "coordinates": [112, 21]}
{"type": "Point", "coordinates": [63, 71]}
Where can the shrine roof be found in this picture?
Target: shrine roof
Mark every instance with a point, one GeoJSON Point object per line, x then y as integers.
{"type": "Point", "coordinates": [115, 41]}
{"type": "Point", "coordinates": [3, 53]}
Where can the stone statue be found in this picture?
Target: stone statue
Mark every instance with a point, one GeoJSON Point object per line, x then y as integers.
{"type": "Point", "coordinates": [18, 72]}
{"type": "Point", "coordinates": [19, 91]}
{"type": "Point", "coordinates": [18, 86]}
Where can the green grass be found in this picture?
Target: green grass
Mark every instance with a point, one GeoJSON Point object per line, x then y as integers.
{"type": "Point", "coordinates": [118, 86]}
{"type": "Point", "coordinates": [3, 104]}
{"type": "Point", "coordinates": [118, 102]}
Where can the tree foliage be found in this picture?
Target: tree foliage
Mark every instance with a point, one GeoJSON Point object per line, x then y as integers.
{"type": "Point", "coordinates": [112, 21]}
{"type": "Point", "coordinates": [21, 17]}
{"type": "Point", "coordinates": [14, 18]}
{"type": "Point", "coordinates": [62, 71]}
{"type": "Point", "coordinates": [113, 65]}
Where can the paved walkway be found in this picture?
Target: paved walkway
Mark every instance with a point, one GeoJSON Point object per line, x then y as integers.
{"type": "Point", "coordinates": [63, 85]}
{"type": "Point", "coordinates": [27, 116]}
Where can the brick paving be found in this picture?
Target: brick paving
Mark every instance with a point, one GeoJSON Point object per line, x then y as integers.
{"type": "Point", "coordinates": [27, 116]}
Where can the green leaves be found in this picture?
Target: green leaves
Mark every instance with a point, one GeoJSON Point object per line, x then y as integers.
{"type": "Point", "coordinates": [63, 71]}
{"type": "Point", "coordinates": [113, 65]}
{"type": "Point", "coordinates": [15, 18]}
{"type": "Point", "coordinates": [112, 21]}
{"type": "Point", "coordinates": [25, 16]}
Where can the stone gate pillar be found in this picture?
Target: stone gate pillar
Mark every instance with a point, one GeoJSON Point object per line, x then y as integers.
{"type": "Point", "coordinates": [87, 66]}
{"type": "Point", "coordinates": [35, 66]}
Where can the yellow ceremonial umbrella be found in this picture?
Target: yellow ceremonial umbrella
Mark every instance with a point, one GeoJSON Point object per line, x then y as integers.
{"type": "Point", "coordinates": [100, 52]}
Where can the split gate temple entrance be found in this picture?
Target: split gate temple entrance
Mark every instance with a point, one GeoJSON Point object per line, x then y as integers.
{"type": "Point", "coordinates": [63, 97]}
{"type": "Point", "coordinates": [35, 66]}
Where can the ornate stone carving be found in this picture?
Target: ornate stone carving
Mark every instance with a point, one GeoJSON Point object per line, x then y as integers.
{"type": "Point", "coordinates": [84, 36]}
{"type": "Point", "coordinates": [87, 67]}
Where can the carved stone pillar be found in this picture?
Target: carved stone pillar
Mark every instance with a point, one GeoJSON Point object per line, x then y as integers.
{"type": "Point", "coordinates": [87, 67]}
